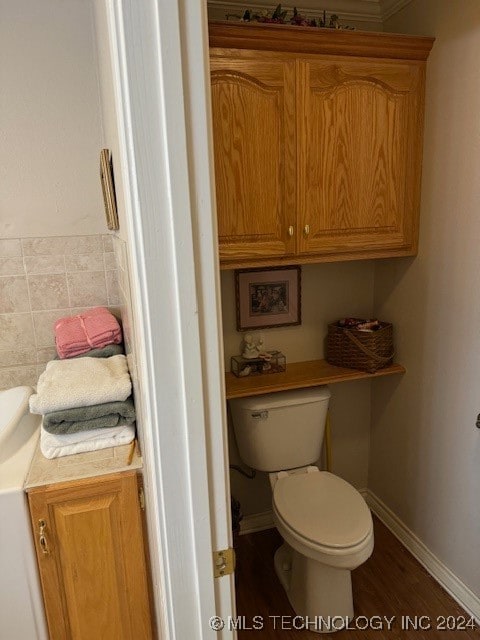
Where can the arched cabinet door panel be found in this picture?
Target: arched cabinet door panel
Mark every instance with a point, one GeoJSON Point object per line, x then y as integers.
{"type": "Point", "coordinates": [253, 109]}
{"type": "Point", "coordinates": [359, 139]}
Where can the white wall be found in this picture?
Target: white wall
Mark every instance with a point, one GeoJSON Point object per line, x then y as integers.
{"type": "Point", "coordinates": [121, 240]}
{"type": "Point", "coordinates": [110, 133]}
{"type": "Point", "coordinates": [329, 292]}
{"type": "Point", "coordinates": [50, 120]}
{"type": "Point", "coordinates": [425, 449]}
{"type": "Point", "coordinates": [111, 140]}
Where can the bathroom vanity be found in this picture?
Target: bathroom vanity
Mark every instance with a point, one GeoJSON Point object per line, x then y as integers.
{"type": "Point", "coordinates": [87, 523]}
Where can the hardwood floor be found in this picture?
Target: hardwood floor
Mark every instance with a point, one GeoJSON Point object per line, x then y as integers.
{"type": "Point", "coordinates": [391, 584]}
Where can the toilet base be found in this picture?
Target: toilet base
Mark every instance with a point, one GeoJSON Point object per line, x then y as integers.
{"type": "Point", "coordinates": [321, 595]}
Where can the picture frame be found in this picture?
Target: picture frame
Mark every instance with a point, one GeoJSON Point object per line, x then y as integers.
{"type": "Point", "coordinates": [268, 298]}
{"type": "Point", "coordinates": [108, 189]}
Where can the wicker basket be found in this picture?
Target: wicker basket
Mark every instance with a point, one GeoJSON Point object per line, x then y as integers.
{"type": "Point", "coordinates": [367, 351]}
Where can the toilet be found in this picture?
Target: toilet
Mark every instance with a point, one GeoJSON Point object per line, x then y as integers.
{"type": "Point", "coordinates": [325, 523]}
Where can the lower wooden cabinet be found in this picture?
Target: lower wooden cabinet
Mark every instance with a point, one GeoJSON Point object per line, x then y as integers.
{"type": "Point", "coordinates": [91, 558]}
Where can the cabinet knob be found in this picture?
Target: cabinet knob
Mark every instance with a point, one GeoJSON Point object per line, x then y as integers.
{"type": "Point", "coordinates": [306, 229]}
{"type": "Point", "coordinates": [290, 230]}
{"type": "Point", "coordinates": [42, 539]}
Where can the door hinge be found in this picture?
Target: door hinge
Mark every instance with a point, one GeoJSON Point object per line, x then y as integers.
{"type": "Point", "coordinates": [223, 562]}
{"type": "Point", "coordinates": [141, 498]}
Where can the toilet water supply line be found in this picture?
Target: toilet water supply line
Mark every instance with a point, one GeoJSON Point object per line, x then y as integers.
{"type": "Point", "coordinates": [328, 443]}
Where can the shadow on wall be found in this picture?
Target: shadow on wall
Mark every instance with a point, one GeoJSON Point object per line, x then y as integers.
{"type": "Point", "coordinates": [397, 284]}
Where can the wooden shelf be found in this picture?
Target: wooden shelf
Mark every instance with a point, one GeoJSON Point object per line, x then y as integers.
{"type": "Point", "coordinates": [300, 375]}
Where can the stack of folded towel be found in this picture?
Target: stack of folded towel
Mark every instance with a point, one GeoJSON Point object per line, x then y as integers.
{"type": "Point", "coordinates": [96, 329]}
{"type": "Point", "coordinates": [86, 405]}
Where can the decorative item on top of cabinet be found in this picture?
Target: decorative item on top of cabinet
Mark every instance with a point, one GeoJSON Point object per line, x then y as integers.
{"type": "Point", "coordinates": [91, 558]}
{"type": "Point", "coordinates": [289, 16]}
{"type": "Point", "coordinates": [317, 141]}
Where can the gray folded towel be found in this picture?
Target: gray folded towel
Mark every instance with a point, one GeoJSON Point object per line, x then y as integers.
{"type": "Point", "coordinates": [107, 352]}
{"type": "Point", "coordinates": [97, 416]}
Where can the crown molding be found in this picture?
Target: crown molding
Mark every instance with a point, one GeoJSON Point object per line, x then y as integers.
{"type": "Point", "coordinates": [355, 10]}
{"type": "Point", "coordinates": [374, 11]}
{"type": "Point", "coordinates": [389, 7]}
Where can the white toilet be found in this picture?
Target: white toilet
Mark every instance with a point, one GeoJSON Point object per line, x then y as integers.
{"type": "Point", "coordinates": [325, 523]}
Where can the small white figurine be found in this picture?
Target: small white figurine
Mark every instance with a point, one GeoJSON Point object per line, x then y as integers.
{"type": "Point", "coordinates": [250, 351]}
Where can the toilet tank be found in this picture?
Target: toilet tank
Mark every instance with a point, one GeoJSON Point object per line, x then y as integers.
{"type": "Point", "coordinates": [281, 430]}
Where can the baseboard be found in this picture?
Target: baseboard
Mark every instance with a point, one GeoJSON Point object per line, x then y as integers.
{"type": "Point", "coordinates": [435, 567]}
{"type": "Point", "coordinates": [257, 522]}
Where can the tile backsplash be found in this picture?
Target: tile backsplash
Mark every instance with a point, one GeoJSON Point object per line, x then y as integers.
{"type": "Point", "coordinates": [41, 280]}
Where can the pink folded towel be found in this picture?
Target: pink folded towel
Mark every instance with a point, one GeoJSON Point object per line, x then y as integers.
{"type": "Point", "coordinates": [94, 329]}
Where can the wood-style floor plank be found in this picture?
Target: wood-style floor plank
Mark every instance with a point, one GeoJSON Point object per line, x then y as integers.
{"type": "Point", "coordinates": [391, 583]}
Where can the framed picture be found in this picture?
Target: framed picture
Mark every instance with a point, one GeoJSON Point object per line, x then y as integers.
{"type": "Point", "coordinates": [268, 298]}
{"type": "Point", "coordinates": [108, 189]}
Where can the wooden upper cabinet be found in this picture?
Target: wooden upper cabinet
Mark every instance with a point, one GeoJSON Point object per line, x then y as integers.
{"type": "Point", "coordinates": [318, 134]}
{"type": "Point", "coordinates": [254, 135]}
{"type": "Point", "coordinates": [359, 157]}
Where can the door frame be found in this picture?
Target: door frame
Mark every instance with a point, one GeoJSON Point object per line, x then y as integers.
{"type": "Point", "coordinates": [161, 82]}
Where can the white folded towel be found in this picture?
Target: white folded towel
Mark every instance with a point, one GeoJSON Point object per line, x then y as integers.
{"type": "Point", "coordinates": [56, 446]}
{"type": "Point", "coordinates": [81, 382]}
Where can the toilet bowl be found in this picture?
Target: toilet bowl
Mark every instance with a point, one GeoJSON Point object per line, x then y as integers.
{"type": "Point", "coordinates": [325, 523]}
{"type": "Point", "coordinates": [328, 531]}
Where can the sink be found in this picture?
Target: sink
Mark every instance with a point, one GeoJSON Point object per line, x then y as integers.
{"type": "Point", "coordinates": [21, 608]}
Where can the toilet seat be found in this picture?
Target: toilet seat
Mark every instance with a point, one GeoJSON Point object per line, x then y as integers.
{"type": "Point", "coordinates": [322, 512]}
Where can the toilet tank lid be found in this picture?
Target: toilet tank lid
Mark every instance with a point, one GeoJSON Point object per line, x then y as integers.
{"type": "Point", "coordinates": [283, 399]}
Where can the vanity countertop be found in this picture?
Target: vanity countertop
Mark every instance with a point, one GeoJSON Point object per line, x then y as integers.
{"type": "Point", "coordinates": [81, 465]}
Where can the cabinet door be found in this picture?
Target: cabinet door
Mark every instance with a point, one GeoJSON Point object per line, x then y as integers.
{"type": "Point", "coordinates": [254, 149]}
{"type": "Point", "coordinates": [91, 559]}
{"type": "Point", "coordinates": [360, 146]}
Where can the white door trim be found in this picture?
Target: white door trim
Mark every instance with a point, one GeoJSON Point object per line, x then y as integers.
{"type": "Point", "coordinates": [159, 52]}
{"type": "Point", "coordinates": [193, 17]}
